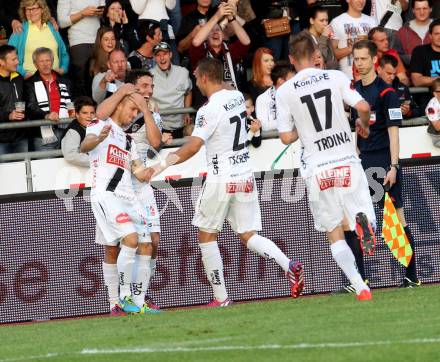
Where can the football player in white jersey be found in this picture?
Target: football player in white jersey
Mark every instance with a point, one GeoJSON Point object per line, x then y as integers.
{"type": "Point", "coordinates": [310, 106]}
{"type": "Point", "coordinates": [119, 216]}
{"type": "Point", "coordinates": [230, 189]}
{"type": "Point", "coordinates": [145, 129]}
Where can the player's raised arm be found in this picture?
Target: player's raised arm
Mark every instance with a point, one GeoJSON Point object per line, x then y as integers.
{"type": "Point", "coordinates": [286, 125]}
{"type": "Point", "coordinates": [92, 140]}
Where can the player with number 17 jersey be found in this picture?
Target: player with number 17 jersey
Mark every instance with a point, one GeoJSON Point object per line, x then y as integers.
{"type": "Point", "coordinates": [313, 103]}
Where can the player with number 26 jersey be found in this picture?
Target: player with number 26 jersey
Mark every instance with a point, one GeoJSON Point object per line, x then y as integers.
{"type": "Point", "coordinates": [221, 124]}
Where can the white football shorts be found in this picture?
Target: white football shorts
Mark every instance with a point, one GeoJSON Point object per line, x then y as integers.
{"type": "Point", "coordinates": [117, 217]}
{"type": "Point", "coordinates": [145, 194]}
{"type": "Point", "coordinates": [339, 193]}
{"type": "Point", "coordinates": [235, 201]}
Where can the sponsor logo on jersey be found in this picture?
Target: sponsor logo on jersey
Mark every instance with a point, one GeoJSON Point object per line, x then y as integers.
{"type": "Point", "coordinates": [310, 80]}
{"type": "Point", "coordinates": [117, 156]}
{"type": "Point", "coordinates": [201, 121]}
{"type": "Point", "coordinates": [333, 140]}
{"type": "Point", "coordinates": [122, 218]}
{"type": "Point", "coordinates": [244, 186]}
{"type": "Point", "coordinates": [215, 165]}
{"type": "Point", "coordinates": [93, 122]}
{"type": "Point", "coordinates": [233, 103]}
{"type": "Point", "coordinates": [395, 113]}
{"type": "Point", "coordinates": [335, 177]}
{"type": "Point", "coordinates": [431, 110]}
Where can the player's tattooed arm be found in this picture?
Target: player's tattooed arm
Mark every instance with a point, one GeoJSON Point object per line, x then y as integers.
{"type": "Point", "coordinates": [92, 140]}
{"type": "Point", "coordinates": [289, 137]}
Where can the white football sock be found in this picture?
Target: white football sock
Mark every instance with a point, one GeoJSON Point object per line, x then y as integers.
{"type": "Point", "coordinates": [141, 278]}
{"type": "Point", "coordinates": [213, 264]}
{"type": "Point", "coordinates": [125, 270]}
{"type": "Point", "coordinates": [267, 249]}
{"type": "Point", "coordinates": [110, 272]}
{"type": "Point", "coordinates": [345, 259]}
{"type": "Point", "coordinates": [152, 268]}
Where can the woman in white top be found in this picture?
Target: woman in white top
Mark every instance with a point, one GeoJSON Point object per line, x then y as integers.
{"type": "Point", "coordinates": [157, 10]}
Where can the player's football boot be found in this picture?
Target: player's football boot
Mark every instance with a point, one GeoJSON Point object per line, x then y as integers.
{"type": "Point", "coordinates": [408, 283]}
{"type": "Point", "coordinates": [216, 303]}
{"type": "Point", "coordinates": [117, 311]}
{"type": "Point", "coordinates": [347, 289]}
{"type": "Point", "coordinates": [295, 275]}
{"type": "Point", "coordinates": [150, 303]}
{"type": "Point", "coordinates": [364, 295]}
{"type": "Point", "coordinates": [145, 309]}
{"type": "Point", "coordinates": [365, 234]}
{"type": "Point", "coordinates": [128, 305]}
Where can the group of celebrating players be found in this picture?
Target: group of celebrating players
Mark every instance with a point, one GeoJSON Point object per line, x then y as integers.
{"type": "Point", "coordinates": [310, 107]}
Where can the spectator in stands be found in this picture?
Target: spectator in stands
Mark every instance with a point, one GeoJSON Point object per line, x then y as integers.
{"type": "Point", "coordinates": [387, 70]}
{"type": "Point", "coordinates": [209, 42]}
{"type": "Point", "coordinates": [262, 66]}
{"type": "Point", "coordinates": [270, 10]}
{"type": "Point", "coordinates": [157, 10]}
{"type": "Point", "coordinates": [106, 83]}
{"type": "Point", "coordinates": [191, 24]}
{"type": "Point", "coordinates": [11, 91]}
{"type": "Point", "coordinates": [265, 105]}
{"type": "Point", "coordinates": [172, 90]}
{"type": "Point", "coordinates": [321, 34]}
{"type": "Point", "coordinates": [415, 32]}
{"type": "Point", "coordinates": [425, 59]}
{"type": "Point", "coordinates": [114, 16]}
{"type": "Point", "coordinates": [105, 43]}
{"type": "Point", "coordinates": [82, 19]}
{"type": "Point", "coordinates": [253, 125]}
{"type": "Point", "coordinates": [388, 14]}
{"type": "Point", "coordinates": [150, 35]}
{"type": "Point", "coordinates": [433, 114]}
{"type": "Point", "coordinates": [348, 28]}
{"type": "Point", "coordinates": [75, 133]}
{"type": "Point", "coordinates": [37, 32]}
{"type": "Point", "coordinates": [379, 36]}
{"type": "Point", "coordinates": [47, 94]}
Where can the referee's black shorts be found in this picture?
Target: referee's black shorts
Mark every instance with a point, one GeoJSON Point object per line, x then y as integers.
{"type": "Point", "coordinates": [382, 159]}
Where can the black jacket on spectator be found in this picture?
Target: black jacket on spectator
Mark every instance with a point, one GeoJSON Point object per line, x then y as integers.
{"type": "Point", "coordinates": [11, 91]}
{"type": "Point", "coordinates": [33, 109]}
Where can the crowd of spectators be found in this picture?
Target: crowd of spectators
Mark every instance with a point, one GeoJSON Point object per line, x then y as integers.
{"type": "Point", "coordinates": [64, 51]}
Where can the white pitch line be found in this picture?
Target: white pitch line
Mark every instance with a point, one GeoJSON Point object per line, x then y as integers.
{"type": "Point", "coordinates": [258, 347]}
{"type": "Point", "coordinates": [148, 350]}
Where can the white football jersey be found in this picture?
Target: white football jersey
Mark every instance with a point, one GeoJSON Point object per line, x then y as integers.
{"type": "Point", "coordinates": [221, 124]}
{"type": "Point", "coordinates": [111, 160]}
{"type": "Point", "coordinates": [312, 101]}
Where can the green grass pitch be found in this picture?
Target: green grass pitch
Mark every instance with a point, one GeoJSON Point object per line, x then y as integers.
{"type": "Point", "coordinates": [398, 325]}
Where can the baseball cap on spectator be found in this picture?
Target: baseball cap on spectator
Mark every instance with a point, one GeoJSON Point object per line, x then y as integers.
{"type": "Point", "coordinates": [161, 46]}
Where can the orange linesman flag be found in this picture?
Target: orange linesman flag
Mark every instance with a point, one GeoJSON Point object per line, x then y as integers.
{"type": "Point", "coordinates": [394, 234]}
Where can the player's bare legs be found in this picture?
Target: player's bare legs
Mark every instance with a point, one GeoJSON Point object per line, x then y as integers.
{"type": "Point", "coordinates": [344, 257]}
{"type": "Point", "coordinates": [268, 250]}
